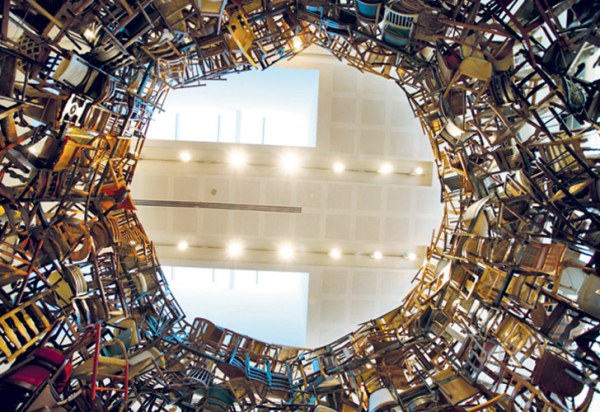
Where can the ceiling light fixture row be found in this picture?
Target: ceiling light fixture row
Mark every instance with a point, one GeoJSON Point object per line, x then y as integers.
{"type": "Point", "coordinates": [287, 251]}
{"type": "Point", "coordinates": [290, 162]}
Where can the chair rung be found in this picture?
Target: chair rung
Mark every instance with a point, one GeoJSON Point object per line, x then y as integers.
{"type": "Point", "coordinates": [108, 375]}
{"type": "Point", "coordinates": [106, 388]}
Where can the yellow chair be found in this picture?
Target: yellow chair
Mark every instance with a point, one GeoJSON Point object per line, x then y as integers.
{"type": "Point", "coordinates": [242, 36]}
{"type": "Point", "coordinates": [473, 68]}
{"type": "Point", "coordinates": [516, 339]}
{"type": "Point", "coordinates": [22, 327]}
{"type": "Point", "coordinates": [212, 8]}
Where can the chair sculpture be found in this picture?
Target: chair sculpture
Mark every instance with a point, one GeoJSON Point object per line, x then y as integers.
{"type": "Point", "coordinates": [505, 310]}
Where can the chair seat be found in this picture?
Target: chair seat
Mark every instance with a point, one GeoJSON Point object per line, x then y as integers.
{"type": "Point", "coordinates": [476, 68]}
{"type": "Point", "coordinates": [106, 365]}
{"type": "Point", "coordinates": [396, 36]}
{"type": "Point", "coordinates": [29, 376]}
{"type": "Point", "coordinates": [52, 357]}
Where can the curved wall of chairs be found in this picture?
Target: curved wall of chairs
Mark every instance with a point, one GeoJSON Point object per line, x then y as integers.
{"type": "Point", "coordinates": [505, 310]}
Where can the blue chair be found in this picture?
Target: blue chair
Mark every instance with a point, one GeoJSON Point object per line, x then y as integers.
{"type": "Point", "coordinates": [369, 10]}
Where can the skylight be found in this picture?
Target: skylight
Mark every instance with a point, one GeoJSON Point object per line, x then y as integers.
{"type": "Point", "coordinates": [270, 306]}
{"type": "Point", "coordinates": [275, 107]}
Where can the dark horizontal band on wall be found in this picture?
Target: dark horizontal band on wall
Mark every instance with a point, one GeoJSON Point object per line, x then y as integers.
{"type": "Point", "coordinates": [216, 205]}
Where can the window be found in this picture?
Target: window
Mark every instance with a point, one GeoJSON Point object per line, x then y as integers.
{"type": "Point", "coordinates": [276, 107]}
{"type": "Point", "coordinates": [271, 306]}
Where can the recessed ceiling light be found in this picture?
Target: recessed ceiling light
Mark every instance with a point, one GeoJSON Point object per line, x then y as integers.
{"type": "Point", "coordinates": [185, 156]}
{"type": "Point", "coordinates": [290, 162]}
{"type": "Point", "coordinates": [385, 168]}
{"type": "Point", "coordinates": [237, 159]}
{"type": "Point", "coordinates": [339, 167]}
{"type": "Point", "coordinates": [377, 255]}
{"type": "Point", "coordinates": [235, 249]}
{"type": "Point", "coordinates": [412, 256]}
{"type": "Point", "coordinates": [183, 245]}
{"type": "Point", "coordinates": [418, 171]}
{"type": "Point", "coordinates": [285, 251]}
{"type": "Point", "coordinates": [335, 253]}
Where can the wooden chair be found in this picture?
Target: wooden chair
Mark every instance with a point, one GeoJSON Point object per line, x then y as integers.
{"type": "Point", "coordinates": [475, 218]}
{"type": "Point", "coordinates": [527, 397]}
{"type": "Point", "coordinates": [23, 326]}
{"type": "Point", "coordinates": [491, 283]}
{"type": "Point", "coordinates": [473, 75]}
{"type": "Point", "coordinates": [542, 257]}
{"type": "Point", "coordinates": [218, 398]}
{"type": "Point", "coordinates": [242, 36]}
{"type": "Point", "coordinates": [517, 339]}
{"type": "Point", "coordinates": [214, 9]}
{"type": "Point", "coordinates": [454, 387]}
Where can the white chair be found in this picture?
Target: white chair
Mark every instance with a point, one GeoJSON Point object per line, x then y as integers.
{"type": "Point", "coordinates": [397, 27]}
{"type": "Point", "coordinates": [380, 399]}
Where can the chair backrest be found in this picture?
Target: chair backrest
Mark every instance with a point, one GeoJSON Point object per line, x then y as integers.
{"type": "Point", "coordinates": [397, 27]}
{"type": "Point", "coordinates": [22, 327]}
{"type": "Point", "coordinates": [211, 7]}
{"type": "Point", "coordinates": [128, 335]}
{"type": "Point", "coordinates": [555, 374]}
{"type": "Point", "coordinates": [67, 284]}
{"type": "Point", "coordinates": [400, 20]}
{"type": "Point", "coordinates": [588, 295]}
{"type": "Point", "coordinates": [380, 399]}
{"type": "Point", "coordinates": [369, 10]}
{"type": "Point", "coordinates": [219, 399]}
{"type": "Point", "coordinates": [89, 309]}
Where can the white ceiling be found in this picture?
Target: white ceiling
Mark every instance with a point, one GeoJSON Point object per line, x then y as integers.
{"type": "Point", "coordinates": [363, 120]}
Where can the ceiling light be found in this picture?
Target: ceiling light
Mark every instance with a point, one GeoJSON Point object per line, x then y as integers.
{"type": "Point", "coordinates": [339, 167]}
{"type": "Point", "coordinates": [235, 249]}
{"type": "Point", "coordinates": [185, 156]}
{"type": "Point", "coordinates": [290, 162]}
{"type": "Point", "coordinates": [285, 251]}
{"type": "Point", "coordinates": [377, 255]}
{"type": "Point", "coordinates": [385, 169]}
{"type": "Point", "coordinates": [412, 256]}
{"type": "Point", "coordinates": [418, 171]}
{"type": "Point", "coordinates": [183, 245]}
{"type": "Point", "coordinates": [237, 159]}
{"type": "Point", "coordinates": [335, 253]}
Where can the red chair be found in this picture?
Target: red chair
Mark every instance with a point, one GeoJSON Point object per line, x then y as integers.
{"type": "Point", "coordinates": [54, 361]}
{"type": "Point", "coordinates": [30, 381]}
